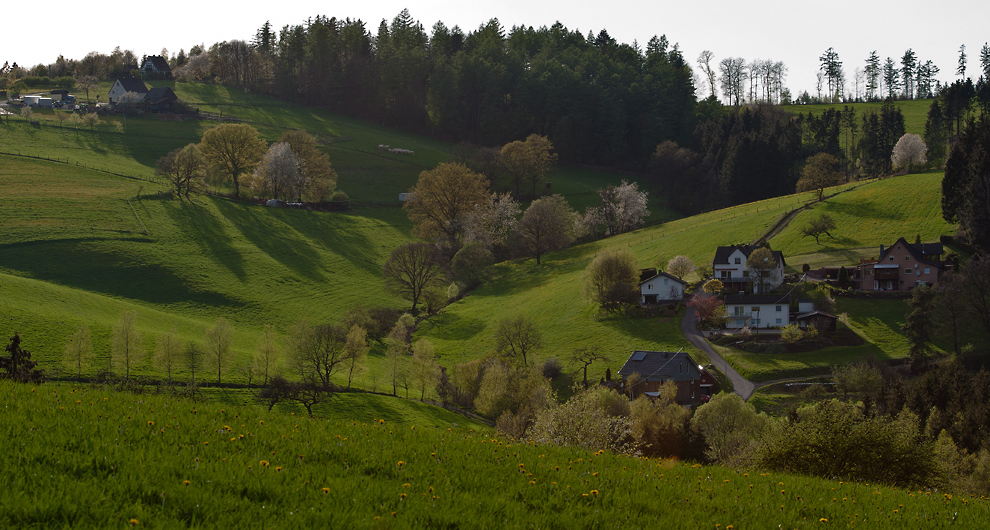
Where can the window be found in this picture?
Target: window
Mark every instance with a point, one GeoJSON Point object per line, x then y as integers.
{"type": "Point", "coordinates": [666, 281]}
{"type": "Point", "coordinates": [778, 309]}
{"type": "Point", "coordinates": [738, 261]}
{"type": "Point", "coordinates": [756, 322]}
{"type": "Point", "coordinates": [724, 274]}
{"type": "Point", "coordinates": [780, 321]}
{"type": "Point", "coordinates": [755, 309]}
{"type": "Point", "coordinates": [737, 311]}
{"type": "Point", "coordinates": [892, 258]}
{"type": "Point", "coordinates": [650, 286]}
{"type": "Point", "coordinates": [907, 270]}
{"type": "Point", "coordinates": [928, 270]}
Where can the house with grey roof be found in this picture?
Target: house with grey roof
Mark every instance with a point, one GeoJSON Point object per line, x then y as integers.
{"type": "Point", "coordinates": [646, 371]}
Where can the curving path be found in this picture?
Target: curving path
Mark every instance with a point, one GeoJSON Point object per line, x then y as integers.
{"type": "Point", "coordinates": [689, 327]}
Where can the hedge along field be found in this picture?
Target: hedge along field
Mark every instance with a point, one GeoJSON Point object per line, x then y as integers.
{"type": "Point", "coordinates": [87, 458]}
{"type": "Point", "coordinates": [872, 214]}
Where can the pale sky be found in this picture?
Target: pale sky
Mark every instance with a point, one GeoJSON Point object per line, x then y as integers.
{"type": "Point", "coordinates": [796, 33]}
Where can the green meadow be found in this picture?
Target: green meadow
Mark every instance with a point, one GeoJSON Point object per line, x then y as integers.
{"type": "Point", "coordinates": [159, 461]}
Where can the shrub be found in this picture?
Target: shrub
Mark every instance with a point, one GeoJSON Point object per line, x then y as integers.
{"type": "Point", "coordinates": [731, 428]}
{"type": "Point", "coordinates": [834, 439]}
{"type": "Point", "coordinates": [791, 333]}
{"type": "Point", "coordinates": [586, 420]}
{"type": "Point", "coordinates": [552, 368]}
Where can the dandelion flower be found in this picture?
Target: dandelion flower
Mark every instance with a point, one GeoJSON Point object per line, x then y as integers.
{"type": "Point", "coordinates": [263, 463]}
{"type": "Point", "coordinates": [400, 463]}
{"type": "Point", "coordinates": [326, 490]}
{"type": "Point", "coordinates": [151, 423]}
{"type": "Point", "coordinates": [406, 485]}
{"type": "Point", "coordinates": [594, 493]}
{"type": "Point", "coordinates": [403, 495]}
{"type": "Point", "coordinates": [279, 468]}
{"type": "Point", "coordinates": [133, 522]}
{"type": "Point", "coordinates": [823, 520]}
{"type": "Point", "coordinates": [186, 482]}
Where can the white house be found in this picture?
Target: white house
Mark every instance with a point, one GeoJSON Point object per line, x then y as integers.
{"type": "Point", "coordinates": [661, 288]}
{"type": "Point", "coordinates": [758, 310]}
{"type": "Point", "coordinates": [125, 85]}
{"type": "Point", "coordinates": [730, 268]}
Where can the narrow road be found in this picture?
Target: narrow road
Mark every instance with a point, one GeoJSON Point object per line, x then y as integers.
{"type": "Point", "coordinates": [689, 327]}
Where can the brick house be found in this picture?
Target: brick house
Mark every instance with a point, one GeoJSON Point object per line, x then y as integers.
{"type": "Point", "coordinates": [902, 266]}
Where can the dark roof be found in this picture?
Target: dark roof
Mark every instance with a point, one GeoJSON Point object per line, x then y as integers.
{"type": "Point", "coordinates": [158, 62]}
{"type": "Point", "coordinates": [660, 365]}
{"type": "Point", "coordinates": [132, 84]}
{"type": "Point", "coordinates": [60, 91]}
{"type": "Point", "coordinates": [159, 94]}
{"type": "Point", "coordinates": [664, 274]}
{"type": "Point", "coordinates": [804, 316]}
{"type": "Point", "coordinates": [758, 299]}
{"type": "Point", "coordinates": [921, 251]}
{"type": "Point", "coordinates": [722, 253]}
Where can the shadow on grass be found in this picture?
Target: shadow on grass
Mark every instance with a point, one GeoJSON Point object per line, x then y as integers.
{"type": "Point", "coordinates": [84, 264]}
{"type": "Point", "coordinates": [199, 224]}
{"type": "Point", "coordinates": [451, 326]}
{"type": "Point", "coordinates": [864, 210]}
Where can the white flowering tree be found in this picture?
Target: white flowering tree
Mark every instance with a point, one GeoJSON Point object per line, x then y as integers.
{"type": "Point", "coordinates": [278, 175]}
{"type": "Point", "coordinates": [623, 208]}
{"type": "Point", "coordinates": [909, 152]}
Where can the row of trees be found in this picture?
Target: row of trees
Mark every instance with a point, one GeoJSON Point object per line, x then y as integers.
{"type": "Point", "coordinates": [293, 168]}
{"type": "Point", "coordinates": [598, 100]}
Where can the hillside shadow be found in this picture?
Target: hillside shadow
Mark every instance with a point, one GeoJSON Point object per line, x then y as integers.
{"type": "Point", "coordinates": [272, 236]}
{"type": "Point", "coordinates": [199, 225]}
{"type": "Point", "coordinates": [864, 210]}
{"type": "Point", "coordinates": [78, 263]}
{"type": "Point", "coordinates": [450, 326]}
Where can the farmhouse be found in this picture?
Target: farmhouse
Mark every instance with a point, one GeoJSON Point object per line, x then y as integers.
{"type": "Point", "coordinates": [902, 266]}
{"type": "Point", "coordinates": [661, 288]}
{"type": "Point", "coordinates": [758, 310]}
{"type": "Point", "coordinates": [160, 99]}
{"type": "Point", "coordinates": [656, 368]}
{"type": "Point", "coordinates": [731, 269]}
{"type": "Point", "coordinates": [155, 67]}
{"type": "Point", "coordinates": [125, 85]}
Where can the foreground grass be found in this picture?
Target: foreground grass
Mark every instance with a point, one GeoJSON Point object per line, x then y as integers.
{"type": "Point", "coordinates": [88, 458]}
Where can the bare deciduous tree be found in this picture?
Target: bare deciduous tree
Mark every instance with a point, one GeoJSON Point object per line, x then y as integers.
{"type": "Point", "coordinates": [126, 343]}
{"type": "Point", "coordinates": [182, 167]}
{"type": "Point", "coordinates": [413, 268]}
{"type": "Point", "coordinates": [517, 337]}
{"type": "Point", "coordinates": [168, 350]}
{"type": "Point", "coordinates": [268, 357]}
{"type": "Point", "coordinates": [78, 349]}
{"type": "Point", "coordinates": [218, 339]}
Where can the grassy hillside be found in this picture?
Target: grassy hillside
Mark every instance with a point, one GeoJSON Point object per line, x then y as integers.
{"type": "Point", "coordinates": [869, 215]}
{"type": "Point", "coordinates": [915, 111]}
{"type": "Point", "coordinates": [86, 458]}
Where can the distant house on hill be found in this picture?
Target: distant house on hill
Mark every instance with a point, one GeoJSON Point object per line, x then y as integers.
{"type": "Point", "coordinates": [902, 267]}
{"type": "Point", "coordinates": [661, 288]}
{"type": "Point", "coordinates": [155, 67]}
{"type": "Point", "coordinates": [656, 368]}
{"type": "Point", "coordinates": [731, 269]}
{"type": "Point", "coordinates": [125, 85]}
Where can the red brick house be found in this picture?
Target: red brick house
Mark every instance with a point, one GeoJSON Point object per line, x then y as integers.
{"type": "Point", "coordinates": [655, 368]}
{"type": "Point", "coordinates": [902, 266]}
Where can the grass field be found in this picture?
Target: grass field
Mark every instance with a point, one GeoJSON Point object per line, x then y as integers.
{"type": "Point", "coordinates": [88, 458]}
{"type": "Point", "coordinates": [915, 112]}
{"type": "Point", "coordinates": [874, 213]}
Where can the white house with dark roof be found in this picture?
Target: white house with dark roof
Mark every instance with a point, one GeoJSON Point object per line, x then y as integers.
{"type": "Point", "coordinates": [730, 268]}
{"type": "Point", "coordinates": [125, 85]}
{"type": "Point", "coordinates": [156, 67]}
{"type": "Point", "coordinates": [661, 288]}
{"type": "Point", "coordinates": [758, 310]}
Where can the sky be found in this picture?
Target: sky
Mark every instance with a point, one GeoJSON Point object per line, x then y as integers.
{"type": "Point", "coordinates": [796, 33]}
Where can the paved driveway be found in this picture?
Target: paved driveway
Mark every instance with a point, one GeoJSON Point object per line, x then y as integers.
{"type": "Point", "coordinates": [689, 327]}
